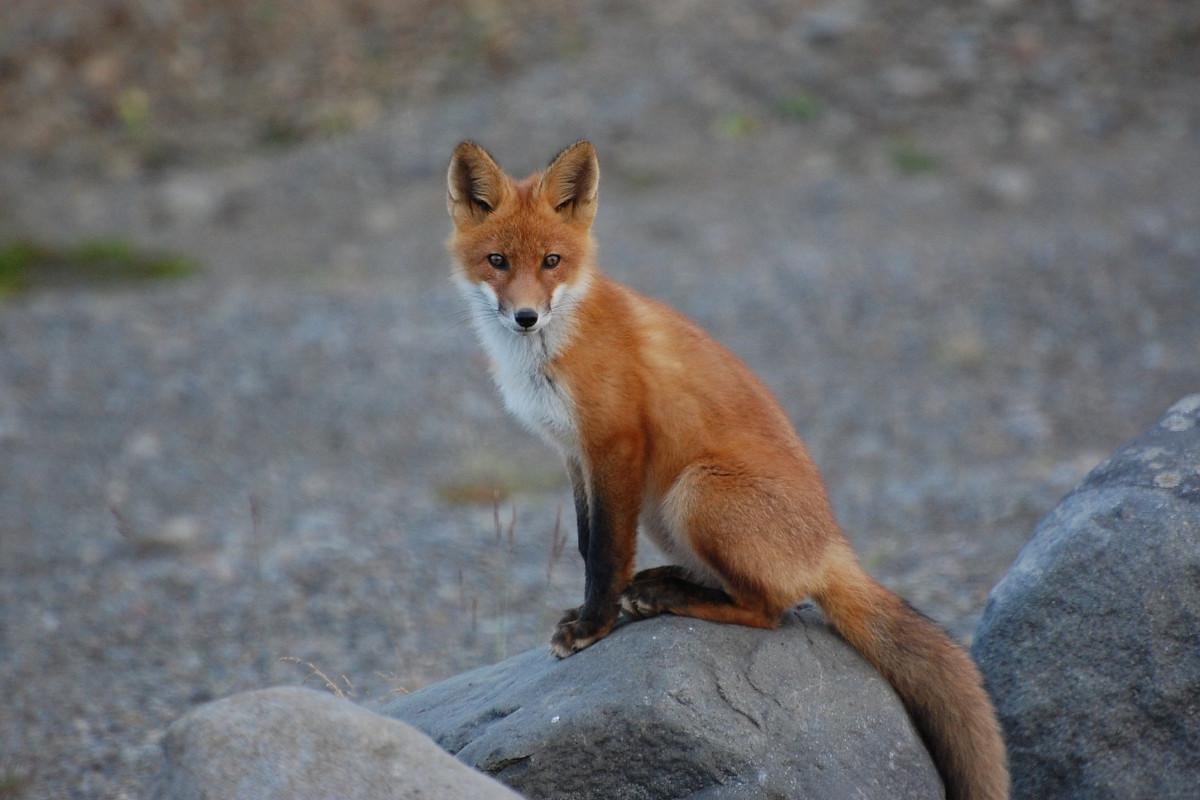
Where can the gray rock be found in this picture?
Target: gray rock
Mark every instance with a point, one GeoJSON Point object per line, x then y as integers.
{"type": "Point", "coordinates": [300, 744]}
{"type": "Point", "coordinates": [1008, 186]}
{"type": "Point", "coordinates": [833, 21]}
{"type": "Point", "coordinates": [911, 82]}
{"type": "Point", "coordinates": [1091, 643]}
{"type": "Point", "coordinates": [678, 708]}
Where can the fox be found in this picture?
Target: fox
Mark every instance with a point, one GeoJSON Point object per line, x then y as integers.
{"type": "Point", "coordinates": [664, 428]}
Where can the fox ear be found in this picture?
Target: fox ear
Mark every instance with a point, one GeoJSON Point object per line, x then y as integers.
{"type": "Point", "coordinates": [476, 184]}
{"type": "Point", "coordinates": [571, 183]}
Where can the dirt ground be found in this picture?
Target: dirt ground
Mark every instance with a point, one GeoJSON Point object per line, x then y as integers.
{"type": "Point", "coordinates": [960, 240]}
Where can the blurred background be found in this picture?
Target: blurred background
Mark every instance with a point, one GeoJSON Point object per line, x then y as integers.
{"type": "Point", "coordinates": [246, 438]}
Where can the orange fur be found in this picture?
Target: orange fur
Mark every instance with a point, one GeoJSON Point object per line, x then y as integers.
{"type": "Point", "coordinates": [661, 424]}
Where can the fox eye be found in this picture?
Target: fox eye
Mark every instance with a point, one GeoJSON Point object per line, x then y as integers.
{"type": "Point", "coordinates": [551, 261]}
{"type": "Point", "coordinates": [498, 261]}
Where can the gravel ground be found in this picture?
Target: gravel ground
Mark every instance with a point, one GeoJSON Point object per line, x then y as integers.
{"type": "Point", "coordinates": [964, 248]}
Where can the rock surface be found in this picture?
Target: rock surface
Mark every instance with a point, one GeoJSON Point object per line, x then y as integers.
{"type": "Point", "coordinates": [677, 708]}
{"type": "Point", "coordinates": [300, 744]}
{"type": "Point", "coordinates": [1089, 644]}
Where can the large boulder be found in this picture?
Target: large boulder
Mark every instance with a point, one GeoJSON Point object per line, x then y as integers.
{"type": "Point", "coordinates": [300, 744]}
{"type": "Point", "coordinates": [1091, 643]}
{"type": "Point", "coordinates": [677, 708]}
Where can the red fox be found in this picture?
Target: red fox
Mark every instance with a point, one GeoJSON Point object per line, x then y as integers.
{"type": "Point", "coordinates": [662, 425]}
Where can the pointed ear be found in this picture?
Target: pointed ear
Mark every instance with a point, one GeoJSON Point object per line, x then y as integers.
{"type": "Point", "coordinates": [571, 183]}
{"type": "Point", "coordinates": [476, 184]}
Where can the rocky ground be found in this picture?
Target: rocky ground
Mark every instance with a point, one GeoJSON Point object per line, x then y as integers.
{"type": "Point", "coordinates": [962, 242]}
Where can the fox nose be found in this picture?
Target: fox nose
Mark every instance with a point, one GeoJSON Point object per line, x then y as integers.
{"type": "Point", "coordinates": [525, 317]}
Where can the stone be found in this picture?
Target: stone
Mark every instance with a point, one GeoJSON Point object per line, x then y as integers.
{"type": "Point", "coordinates": [672, 707]}
{"type": "Point", "coordinates": [1090, 644]}
{"type": "Point", "coordinates": [910, 82]}
{"type": "Point", "coordinates": [300, 744]}
{"type": "Point", "coordinates": [1007, 185]}
{"type": "Point", "coordinates": [833, 21]}
{"type": "Point", "coordinates": [190, 198]}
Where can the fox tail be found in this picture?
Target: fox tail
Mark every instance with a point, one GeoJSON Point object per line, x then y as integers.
{"type": "Point", "coordinates": [939, 685]}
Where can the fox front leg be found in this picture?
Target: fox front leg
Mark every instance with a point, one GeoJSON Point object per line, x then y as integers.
{"type": "Point", "coordinates": [607, 509]}
{"type": "Point", "coordinates": [582, 527]}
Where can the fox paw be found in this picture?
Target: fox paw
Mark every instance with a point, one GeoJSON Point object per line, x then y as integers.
{"type": "Point", "coordinates": [641, 601]}
{"type": "Point", "coordinates": [575, 633]}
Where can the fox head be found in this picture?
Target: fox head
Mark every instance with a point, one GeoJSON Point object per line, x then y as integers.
{"type": "Point", "coordinates": [523, 250]}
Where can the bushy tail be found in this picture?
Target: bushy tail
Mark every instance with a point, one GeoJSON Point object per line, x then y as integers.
{"type": "Point", "coordinates": [935, 678]}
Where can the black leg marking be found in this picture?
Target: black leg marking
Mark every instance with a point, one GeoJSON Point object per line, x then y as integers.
{"type": "Point", "coordinates": [581, 627]}
{"type": "Point", "coordinates": [582, 513]}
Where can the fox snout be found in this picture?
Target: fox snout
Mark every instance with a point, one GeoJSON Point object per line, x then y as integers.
{"type": "Point", "coordinates": [525, 317]}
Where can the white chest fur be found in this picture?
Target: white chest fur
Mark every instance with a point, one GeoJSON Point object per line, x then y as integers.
{"type": "Point", "coordinates": [521, 364]}
{"type": "Point", "coordinates": [520, 368]}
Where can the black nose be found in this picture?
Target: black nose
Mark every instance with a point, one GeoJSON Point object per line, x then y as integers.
{"type": "Point", "coordinates": [525, 317]}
